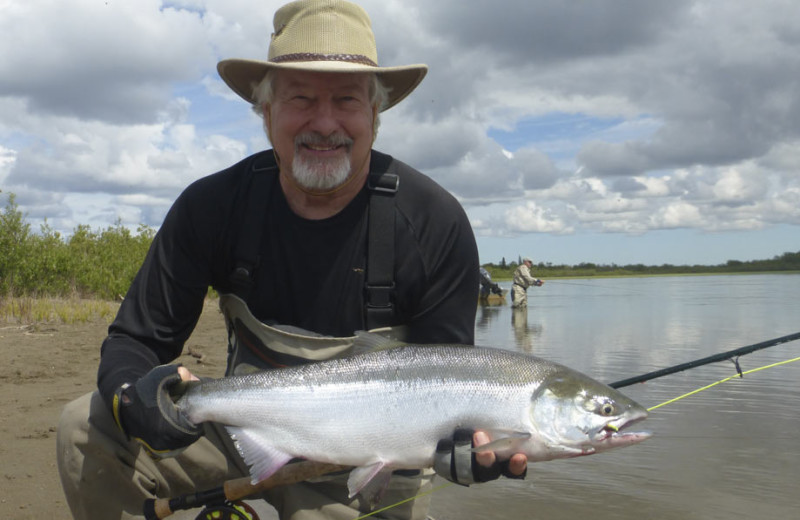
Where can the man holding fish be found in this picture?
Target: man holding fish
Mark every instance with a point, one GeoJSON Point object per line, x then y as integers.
{"type": "Point", "coordinates": [399, 255]}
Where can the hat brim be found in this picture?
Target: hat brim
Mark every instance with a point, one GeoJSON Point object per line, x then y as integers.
{"type": "Point", "coordinates": [243, 75]}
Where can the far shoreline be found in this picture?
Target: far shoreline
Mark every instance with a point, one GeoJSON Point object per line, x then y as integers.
{"type": "Point", "coordinates": [30, 311]}
{"type": "Point", "coordinates": [640, 275]}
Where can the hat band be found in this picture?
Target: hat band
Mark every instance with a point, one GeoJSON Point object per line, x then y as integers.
{"type": "Point", "coordinates": [310, 56]}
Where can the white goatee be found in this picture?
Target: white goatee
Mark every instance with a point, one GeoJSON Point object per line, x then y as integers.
{"type": "Point", "coordinates": [320, 174]}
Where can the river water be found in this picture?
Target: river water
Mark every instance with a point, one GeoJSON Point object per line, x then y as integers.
{"type": "Point", "coordinates": [727, 452]}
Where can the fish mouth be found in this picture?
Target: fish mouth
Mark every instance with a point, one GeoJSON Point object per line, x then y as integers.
{"type": "Point", "coordinates": [612, 435]}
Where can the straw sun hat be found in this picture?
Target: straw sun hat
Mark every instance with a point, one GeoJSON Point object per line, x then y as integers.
{"type": "Point", "coordinates": [321, 36]}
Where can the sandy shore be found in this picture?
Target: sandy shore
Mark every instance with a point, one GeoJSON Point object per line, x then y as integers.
{"type": "Point", "coordinates": [44, 366]}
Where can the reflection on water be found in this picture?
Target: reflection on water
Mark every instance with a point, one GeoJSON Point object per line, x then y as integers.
{"type": "Point", "coordinates": [729, 451]}
{"type": "Point", "coordinates": [524, 334]}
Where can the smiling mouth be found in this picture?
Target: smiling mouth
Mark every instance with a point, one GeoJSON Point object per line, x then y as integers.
{"type": "Point", "coordinates": [315, 143]}
{"type": "Point", "coordinates": [322, 148]}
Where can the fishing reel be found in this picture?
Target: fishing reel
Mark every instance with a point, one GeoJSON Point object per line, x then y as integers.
{"type": "Point", "coordinates": [228, 511]}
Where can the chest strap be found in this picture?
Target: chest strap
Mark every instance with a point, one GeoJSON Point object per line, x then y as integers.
{"type": "Point", "coordinates": [380, 288]}
{"type": "Point", "coordinates": [246, 253]}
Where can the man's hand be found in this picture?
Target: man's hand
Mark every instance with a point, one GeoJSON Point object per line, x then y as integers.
{"type": "Point", "coordinates": [517, 465]}
{"type": "Point", "coordinates": [455, 460]}
{"type": "Point", "coordinates": [145, 411]}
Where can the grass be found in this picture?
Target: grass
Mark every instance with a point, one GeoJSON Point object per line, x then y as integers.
{"type": "Point", "coordinates": [30, 310]}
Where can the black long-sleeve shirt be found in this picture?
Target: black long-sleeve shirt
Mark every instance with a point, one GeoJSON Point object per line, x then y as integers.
{"type": "Point", "coordinates": [311, 272]}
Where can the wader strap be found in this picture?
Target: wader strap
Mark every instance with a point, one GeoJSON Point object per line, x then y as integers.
{"type": "Point", "coordinates": [379, 289]}
{"type": "Point", "coordinates": [248, 243]}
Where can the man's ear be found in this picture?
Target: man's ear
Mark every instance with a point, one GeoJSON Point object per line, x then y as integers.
{"type": "Point", "coordinates": [374, 123]}
{"type": "Point", "coordinates": [266, 111]}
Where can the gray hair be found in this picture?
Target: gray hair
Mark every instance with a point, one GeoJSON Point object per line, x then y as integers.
{"type": "Point", "coordinates": [263, 92]}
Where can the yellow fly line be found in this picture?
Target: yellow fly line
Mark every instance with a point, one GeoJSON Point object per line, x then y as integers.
{"type": "Point", "coordinates": [722, 381]}
{"type": "Point", "coordinates": [432, 490]}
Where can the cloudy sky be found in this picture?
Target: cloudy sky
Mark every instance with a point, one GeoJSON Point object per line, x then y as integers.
{"type": "Point", "coordinates": [607, 131]}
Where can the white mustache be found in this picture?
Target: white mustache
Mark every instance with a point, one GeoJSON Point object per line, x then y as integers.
{"type": "Point", "coordinates": [319, 141]}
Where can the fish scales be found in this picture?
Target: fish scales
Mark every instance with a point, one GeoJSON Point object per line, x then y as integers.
{"type": "Point", "coordinates": [391, 407]}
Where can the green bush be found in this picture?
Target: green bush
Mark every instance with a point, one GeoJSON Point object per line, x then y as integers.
{"type": "Point", "coordinates": [93, 264]}
{"type": "Point", "coordinates": [14, 245]}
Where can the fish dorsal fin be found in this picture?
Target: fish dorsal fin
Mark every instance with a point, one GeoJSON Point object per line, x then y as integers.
{"type": "Point", "coordinates": [374, 341]}
{"type": "Point", "coordinates": [257, 452]}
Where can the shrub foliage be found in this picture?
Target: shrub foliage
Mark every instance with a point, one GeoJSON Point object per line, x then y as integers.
{"type": "Point", "coordinates": [88, 263]}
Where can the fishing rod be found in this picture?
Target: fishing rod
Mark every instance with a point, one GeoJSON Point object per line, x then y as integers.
{"type": "Point", "coordinates": [224, 497]}
{"type": "Point", "coordinates": [732, 355]}
{"type": "Point", "coordinates": [551, 280]}
{"type": "Point", "coordinates": [725, 380]}
{"type": "Point", "coordinates": [595, 286]}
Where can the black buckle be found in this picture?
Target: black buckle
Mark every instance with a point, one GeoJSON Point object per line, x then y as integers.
{"type": "Point", "coordinates": [379, 296]}
{"type": "Point", "coordinates": [242, 277]}
{"type": "Point", "coordinates": [384, 183]}
{"type": "Point", "coordinates": [264, 164]}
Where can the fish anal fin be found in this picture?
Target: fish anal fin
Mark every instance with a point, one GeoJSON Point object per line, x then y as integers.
{"type": "Point", "coordinates": [373, 492]}
{"type": "Point", "coordinates": [262, 458]}
{"type": "Point", "coordinates": [370, 480]}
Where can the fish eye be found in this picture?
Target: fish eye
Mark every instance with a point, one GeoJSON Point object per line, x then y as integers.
{"type": "Point", "coordinates": [606, 409]}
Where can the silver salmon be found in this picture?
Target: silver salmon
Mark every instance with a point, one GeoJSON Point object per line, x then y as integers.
{"type": "Point", "coordinates": [387, 410]}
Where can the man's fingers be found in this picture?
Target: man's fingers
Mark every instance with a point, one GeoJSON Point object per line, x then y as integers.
{"type": "Point", "coordinates": [484, 458]}
{"type": "Point", "coordinates": [517, 464]}
{"type": "Point", "coordinates": [186, 374]}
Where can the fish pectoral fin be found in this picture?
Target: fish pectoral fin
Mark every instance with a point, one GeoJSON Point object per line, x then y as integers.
{"type": "Point", "coordinates": [566, 451]}
{"type": "Point", "coordinates": [503, 441]}
{"type": "Point", "coordinates": [370, 480]}
{"type": "Point", "coordinates": [258, 453]}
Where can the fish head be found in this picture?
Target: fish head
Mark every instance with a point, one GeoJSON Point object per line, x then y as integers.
{"type": "Point", "coordinates": [576, 415]}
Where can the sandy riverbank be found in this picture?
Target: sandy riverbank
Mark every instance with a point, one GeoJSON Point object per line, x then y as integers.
{"type": "Point", "coordinates": [44, 366]}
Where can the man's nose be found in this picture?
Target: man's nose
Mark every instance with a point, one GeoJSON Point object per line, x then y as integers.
{"type": "Point", "coordinates": [323, 119]}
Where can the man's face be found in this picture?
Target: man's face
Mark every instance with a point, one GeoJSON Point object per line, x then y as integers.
{"type": "Point", "coordinates": [321, 126]}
